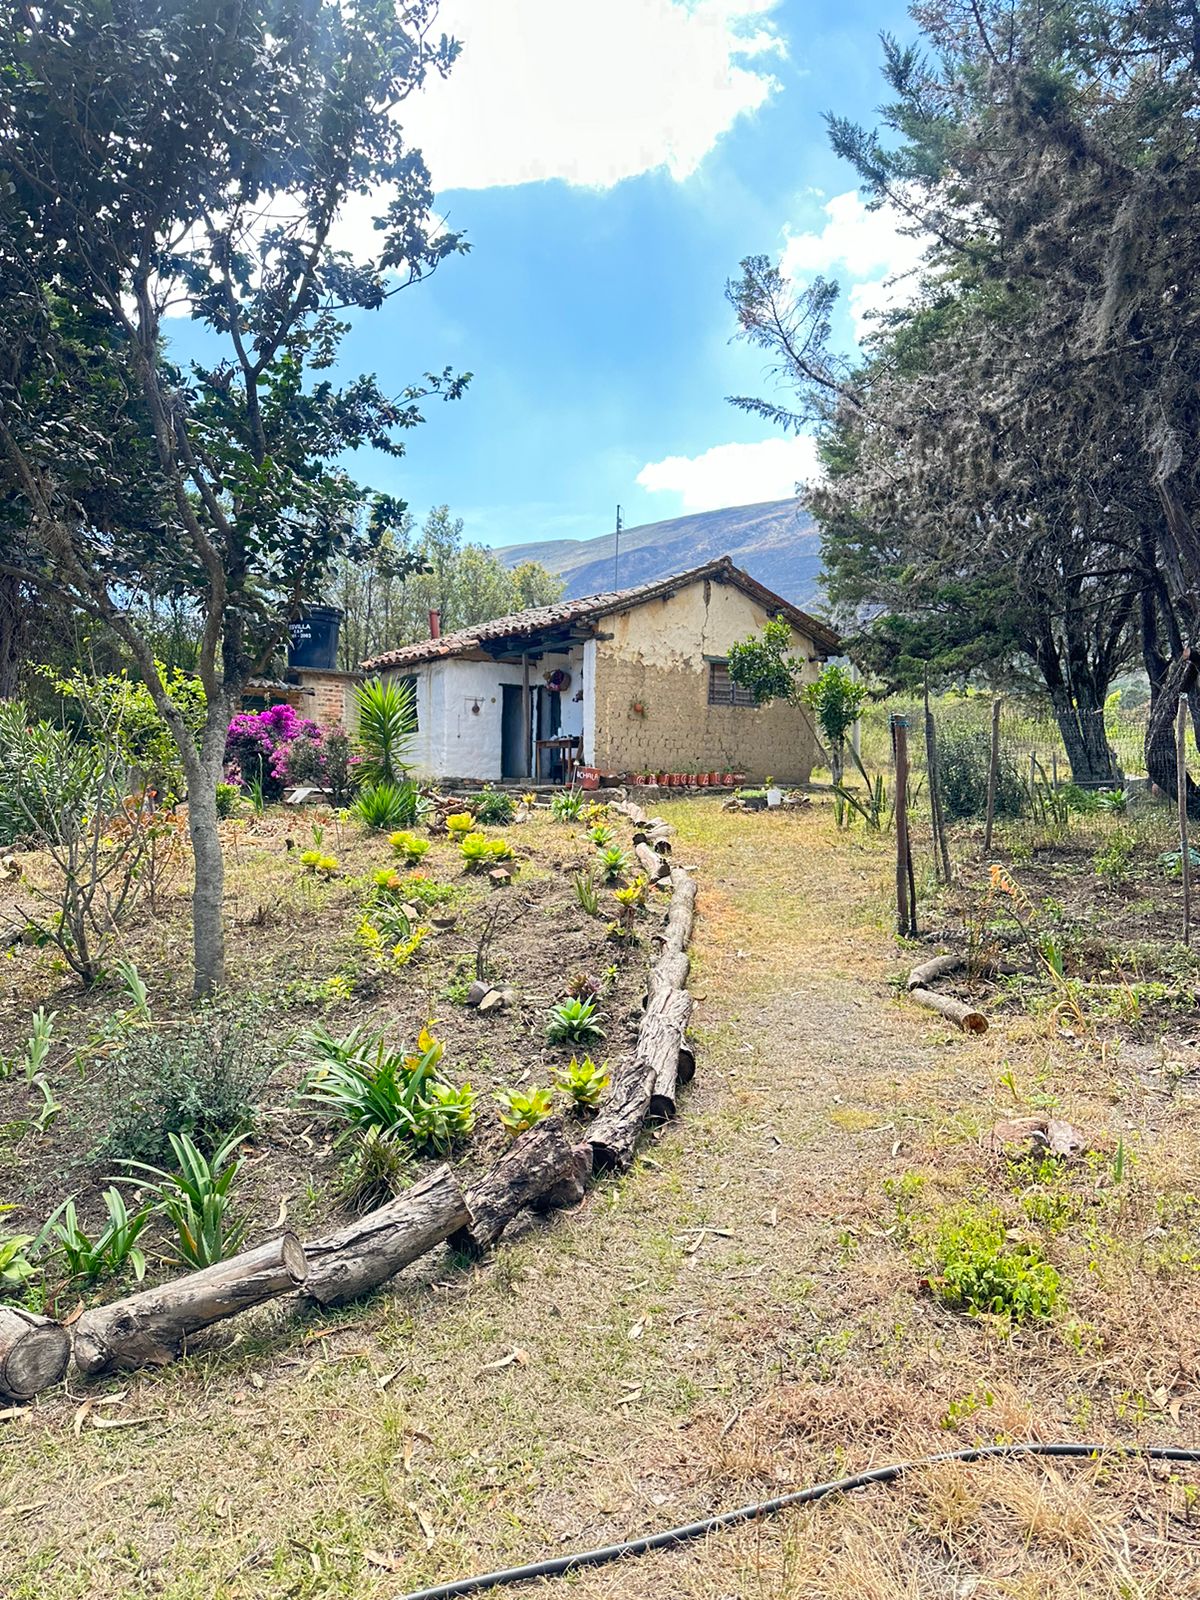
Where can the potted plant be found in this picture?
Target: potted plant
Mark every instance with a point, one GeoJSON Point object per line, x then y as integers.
{"type": "Point", "coordinates": [714, 779]}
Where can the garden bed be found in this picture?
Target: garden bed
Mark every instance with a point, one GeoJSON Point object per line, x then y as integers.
{"type": "Point", "coordinates": [299, 960]}
{"type": "Point", "coordinates": [1084, 923]}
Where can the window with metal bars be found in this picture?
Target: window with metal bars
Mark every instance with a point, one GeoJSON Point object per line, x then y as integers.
{"type": "Point", "coordinates": [722, 691]}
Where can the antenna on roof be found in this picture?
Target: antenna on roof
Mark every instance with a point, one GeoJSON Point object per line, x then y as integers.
{"type": "Point", "coordinates": [617, 552]}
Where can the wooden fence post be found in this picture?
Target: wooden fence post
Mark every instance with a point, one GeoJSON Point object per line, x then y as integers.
{"type": "Point", "coordinates": [1185, 849]}
{"type": "Point", "coordinates": [941, 850]}
{"type": "Point", "coordinates": [906, 911]}
{"type": "Point", "coordinates": [993, 774]}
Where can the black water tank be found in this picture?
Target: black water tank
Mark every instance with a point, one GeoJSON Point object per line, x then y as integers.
{"type": "Point", "coordinates": [314, 638]}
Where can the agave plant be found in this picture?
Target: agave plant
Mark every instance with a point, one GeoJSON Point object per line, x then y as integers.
{"type": "Point", "coordinates": [387, 804]}
{"type": "Point", "coordinates": [387, 728]}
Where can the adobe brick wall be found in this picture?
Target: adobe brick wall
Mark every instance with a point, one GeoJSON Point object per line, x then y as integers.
{"type": "Point", "coordinates": [656, 655]}
{"type": "Point", "coordinates": [329, 697]}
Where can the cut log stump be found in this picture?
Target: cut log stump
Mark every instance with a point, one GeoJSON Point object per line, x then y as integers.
{"type": "Point", "coordinates": [34, 1353]}
{"type": "Point", "coordinates": [541, 1167]}
{"type": "Point", "coordinates": [152, 1328]}
{"type": "Point", "coordinates": [963, 1016]}
{"type": "Point", "coordinates": [344, 1265]}
{"type": "Point", "coordinates": [656, 867]}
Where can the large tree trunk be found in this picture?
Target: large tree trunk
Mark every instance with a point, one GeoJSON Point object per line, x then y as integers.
{"type": "Point", "coordinates": [1080, 720]}
{"type": "Point", "coordinates": [13, 619]}
{"type": "Point", "coordinates": [1161, 763]}
{"type": "Point", "coordinates": [208, 894]}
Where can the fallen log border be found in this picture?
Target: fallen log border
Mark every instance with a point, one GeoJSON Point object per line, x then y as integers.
{"type": "Point", "coordinates": [543, 1170]}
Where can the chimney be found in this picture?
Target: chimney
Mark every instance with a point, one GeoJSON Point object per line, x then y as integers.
{"type": "Point", "coordinates": [435, 624]}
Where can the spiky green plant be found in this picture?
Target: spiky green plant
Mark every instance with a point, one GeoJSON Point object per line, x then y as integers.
{"type": "Point", "coordinates": [387, 729]}
{"type": "Point", "coordinates": [197, 1199]}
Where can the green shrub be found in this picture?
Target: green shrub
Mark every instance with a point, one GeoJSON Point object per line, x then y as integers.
{"type": "Point", "coordinates": [228, 796]}
{"type": "Point", "coordinates": [202, 1078]}
{"type": "Point", "coordinates": [388, 804]}
{"type": "Point", "coordinates": [964, 756]}
{"type": "Point", "coordinates": [479, 852]}
{"type": "Point", "coordinates": [115, 1246]}
{"type": "Point", "coordinates": [361, 1082]}
{"type": "Point", "coordinates": [614, 863]}
{"type": "Point", "coordinates": [566, 805]}
{"type": "Point", "coordinates": [587, 894]}
{"type": "Point", "coordinates": [980, 1270]}
{"type": "Point", "coordinates": [16, 1269]}
{"type": "Point", "coordinates": [387, 730]}
{"type": "Point", "coordinates": [375, 1168]}
{"type": "Point", "coordinates": [573, 1021]}
{"type": "Point", "coordinates": [495, 808]}
{"type": "Point", "coordinates": [408, 846]}
{"type": "Point", "coordinates": [425, 892]}
{"type": "Point", "coordinates": [1112, 863]}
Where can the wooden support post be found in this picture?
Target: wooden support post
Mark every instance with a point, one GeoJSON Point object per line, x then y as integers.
{"type": "Point", "coordinates": [527, 719]}
{"type": "Point", "coordinates": [941, 850]}
{"type": "Point", "coordinates": [905, 909]}
{"type": "Point", "coordinates": [1185, 849]}
{"type": "Point", "coordinates": [993, 775]}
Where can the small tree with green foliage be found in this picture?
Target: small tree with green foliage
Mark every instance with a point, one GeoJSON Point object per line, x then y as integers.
{"type": "Point", "coordinates": [763, 665]}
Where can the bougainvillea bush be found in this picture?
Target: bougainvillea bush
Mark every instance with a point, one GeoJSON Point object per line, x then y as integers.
{"type": "Point", "coordinates": [263, 745]}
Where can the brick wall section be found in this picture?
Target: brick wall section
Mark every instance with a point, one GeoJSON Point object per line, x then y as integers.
{"type": "Point", "coordinates": [656, 655]}
{"type": "Point", "coordinates": [329, 699]}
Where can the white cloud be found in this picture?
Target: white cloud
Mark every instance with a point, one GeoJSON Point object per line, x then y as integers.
{"type": "Point", "coordinates": [589, 91]}
{"type": "Point", "coordinates": [863, 245]}
{"type": "Point", "coordinates": [734, 474]}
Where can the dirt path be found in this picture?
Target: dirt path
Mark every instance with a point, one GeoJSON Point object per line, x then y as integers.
{"type": "Point", "coordinates": [742, 1313]}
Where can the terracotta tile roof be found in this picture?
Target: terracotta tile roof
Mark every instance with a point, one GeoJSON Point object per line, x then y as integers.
{"type": "Point", "coordinates": [590, 608]}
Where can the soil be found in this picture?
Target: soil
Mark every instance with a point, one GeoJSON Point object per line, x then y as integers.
{"type": "Point", "coordinates": [1117, 936]}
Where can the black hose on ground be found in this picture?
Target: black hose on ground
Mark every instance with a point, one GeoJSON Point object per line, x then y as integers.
{"type": "Point", "coordinates": [765, 1508]}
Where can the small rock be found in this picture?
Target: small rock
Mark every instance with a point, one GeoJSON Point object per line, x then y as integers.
{"type": "Point", "coordinates": [499, 876]}
{"type": "Point", "coordinates": [1038, 1135]}
{"type": "Point", "coordinates": [477, 992]}
{"type": "Point", "coordinates": [491, 1000]}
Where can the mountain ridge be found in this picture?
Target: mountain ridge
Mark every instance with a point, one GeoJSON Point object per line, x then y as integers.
{"type": "Point", "coordinates": [773, 540]}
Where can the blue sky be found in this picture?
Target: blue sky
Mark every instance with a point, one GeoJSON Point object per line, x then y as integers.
{"type": "Point", "coordinates": [611, 161]}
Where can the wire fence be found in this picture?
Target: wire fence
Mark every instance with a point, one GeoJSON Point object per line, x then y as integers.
{"type": "Point", "coordinates": [1031, 743]}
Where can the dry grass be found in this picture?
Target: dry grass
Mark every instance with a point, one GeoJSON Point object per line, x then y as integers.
{"type": "Point", "coordinates": [744, 1312]}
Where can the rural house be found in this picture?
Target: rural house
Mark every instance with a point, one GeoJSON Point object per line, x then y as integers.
{"type": "Point", "coordinates": [631, 681]}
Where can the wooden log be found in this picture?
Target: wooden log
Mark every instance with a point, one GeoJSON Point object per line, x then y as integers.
{"type": "Point", "coordinates": [663, 1046]}
{"type": "Point", "coordinates": [645, 1081]}
{"type": "Point", "coordinates": [670, 971]}
{"type": "Point", "coordinates": [34, 1353]}
{"type": "Point", "coordinates": [539, 1161]}
{"type": "Point", "coordinates": [936, 967]}
{"type": "Point", "coordinates": [682, 911]}
{"type": "Point", "coordinates": [572, 1186]}
{"type": "Point", "coordinates": [358, 1258]}
{"type": "Point", "coordinates": [613, 1134]}
{"type": "Point", "coordinates": [152, 1328]}
{"type": "Point", "coordinates": [966, 1017]}
{"type": "Point", "coordinates": [652, 864]}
